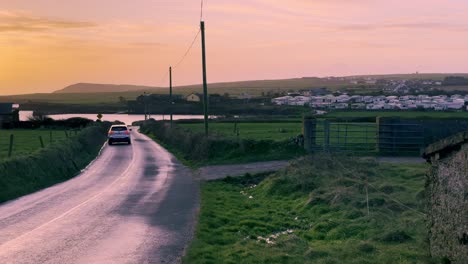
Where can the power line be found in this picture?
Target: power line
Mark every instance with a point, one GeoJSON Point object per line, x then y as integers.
{"type": "Point", "coordinates": [190, 47]}
{"type": "Point", "coordinates": [194, 39]}
{"type": "Point", "coordinates": [188, 50]}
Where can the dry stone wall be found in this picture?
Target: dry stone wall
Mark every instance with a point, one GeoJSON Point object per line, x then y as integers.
{"type": "Point", "coordinates": [447, 189]}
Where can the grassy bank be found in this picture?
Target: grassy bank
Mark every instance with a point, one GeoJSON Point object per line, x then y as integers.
{"type": "Point", "coordinates": [57, 162]}
{"type": "Point", "coordinates": [197, 150]}
{"type": "Point", "coordinates": [315, 211]}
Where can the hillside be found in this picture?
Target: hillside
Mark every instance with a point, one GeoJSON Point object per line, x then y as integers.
{"type": "Point", "coordinates": [102, 88]}
{"type": "Point", "coordinates": [91, 94]}
{"type": "Point", "coordinates": [244, 86]}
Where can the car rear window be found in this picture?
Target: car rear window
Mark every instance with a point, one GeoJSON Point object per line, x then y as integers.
{"type": "Point", "coordinates": [119, 129]}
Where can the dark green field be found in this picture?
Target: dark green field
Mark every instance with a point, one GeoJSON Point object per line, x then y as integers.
{"type": "Point", "coordinates": [27, 141]}
{"type": "Point", "coordinates": [404, 114]}
{"type": "Point", "coordinates": [255, 131]}
{"type": "Point", "coordinates": [315, 211]}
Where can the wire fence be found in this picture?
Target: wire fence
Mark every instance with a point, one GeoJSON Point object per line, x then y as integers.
{"type": "Point", "coordinates": [23, 142]}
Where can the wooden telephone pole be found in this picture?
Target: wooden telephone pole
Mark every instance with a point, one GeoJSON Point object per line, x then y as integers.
{"type": "Point", "coordinates": [170, 93]}
{"type": "Point", "coordinates": [205, 85]}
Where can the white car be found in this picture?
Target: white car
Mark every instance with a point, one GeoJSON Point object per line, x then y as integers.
{"type": "Point", "coordinates": [119, 134]}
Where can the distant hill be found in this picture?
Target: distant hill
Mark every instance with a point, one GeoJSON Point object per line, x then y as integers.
{"type": "Point", "coordinates": [242, 86]}
{"type": "Point", "coordinates": [102, 88]}
{"type": "Point", "coordinates": [252, 87]}
{"type": "Point", "coordinates": [92, 94]}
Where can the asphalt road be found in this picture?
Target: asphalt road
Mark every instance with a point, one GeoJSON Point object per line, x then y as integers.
{"type": "Point", "coordinates": [133, 204]}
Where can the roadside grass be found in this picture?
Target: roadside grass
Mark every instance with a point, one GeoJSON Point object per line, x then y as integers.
{"type": "Point", "coordinates": [196, 150]}
{"type": "Point", "coordinates": [315, 211]}
{"type": "Point", "coordinates": [233, 157]}
{"type": "Point", "coordinates": [256, 131]}
{"type": "Point", "coordinates": [26, 141]}
{"type": "Point", "coordinates": [174, 151]}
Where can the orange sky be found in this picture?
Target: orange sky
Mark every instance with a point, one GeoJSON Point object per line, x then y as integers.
{"type": "Point", "coordinates": [46, 45]}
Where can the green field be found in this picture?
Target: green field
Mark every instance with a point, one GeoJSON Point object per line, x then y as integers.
{"type": "Point", "coordinates": [350, 136]}
{"type": "Point", "coordinates": [404, 114]}
{"type": "Point", "coordinates": [256, 131]}
{"type": "Point", "coordinates": [27, 141]}
{"type": "Point", "coordinates": [315, 211]}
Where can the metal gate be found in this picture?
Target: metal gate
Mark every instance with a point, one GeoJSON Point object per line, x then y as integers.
{"type": "Point", "coordinates": [364, 138]}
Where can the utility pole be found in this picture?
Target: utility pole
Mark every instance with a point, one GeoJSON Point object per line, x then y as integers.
{"type": "Point", "coordinates": [205, 85]}
{"type": "Point", "coordinates": [170, 92]}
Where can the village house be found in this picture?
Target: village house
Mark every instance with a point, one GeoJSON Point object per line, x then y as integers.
{"type": "Point", "coordinates": [194, 97]}
{"type": "Point", "coordinates": [244, 96]}
{"type": "Point", "coordinates": [406, 102]}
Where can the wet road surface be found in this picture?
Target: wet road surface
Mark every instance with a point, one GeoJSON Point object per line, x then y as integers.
{"type": "Point", "coordinates": [133, 204]}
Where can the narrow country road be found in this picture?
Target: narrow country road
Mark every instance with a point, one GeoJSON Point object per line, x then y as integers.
{"type": "Point", "coordinates": [133, 204]}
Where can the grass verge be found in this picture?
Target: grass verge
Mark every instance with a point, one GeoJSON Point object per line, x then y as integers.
{"type": "Point", "coordinates": [195, 149]}
{"type": "Point", "coordinates": [315, 211]}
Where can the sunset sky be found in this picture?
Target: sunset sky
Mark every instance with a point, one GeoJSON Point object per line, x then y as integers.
{"type": "Point", "coordinates": [46, 45]}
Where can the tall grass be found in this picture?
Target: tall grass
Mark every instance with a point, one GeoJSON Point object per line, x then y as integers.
{"type": "Point", "coordinates": [315, 211]}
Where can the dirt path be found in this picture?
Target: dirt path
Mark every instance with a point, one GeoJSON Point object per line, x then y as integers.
{"type": "Point", "coordinates": [222, 171]}
{"type": "Point", "coordinates": [402, 160]}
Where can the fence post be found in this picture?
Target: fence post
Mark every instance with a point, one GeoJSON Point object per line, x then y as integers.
{"type": "Point", "coordinates": [66, 133]}
{"type": "Point", "coordinates": [41, 141]}
{"type": "Point", "coordinates": [10, 149]}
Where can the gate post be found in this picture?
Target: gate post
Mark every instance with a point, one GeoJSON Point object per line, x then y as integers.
{"type": "Point", "coordinates": [310, 133]}
{"type": "Point", "coordinates": [326, 130]}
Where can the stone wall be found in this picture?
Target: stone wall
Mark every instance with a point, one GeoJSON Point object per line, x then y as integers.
{"type": "Point", "coordinates": [447, 189]}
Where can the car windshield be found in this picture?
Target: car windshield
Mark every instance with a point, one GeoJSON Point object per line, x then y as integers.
{"type": "Point", "coordinates": [119, 129]}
